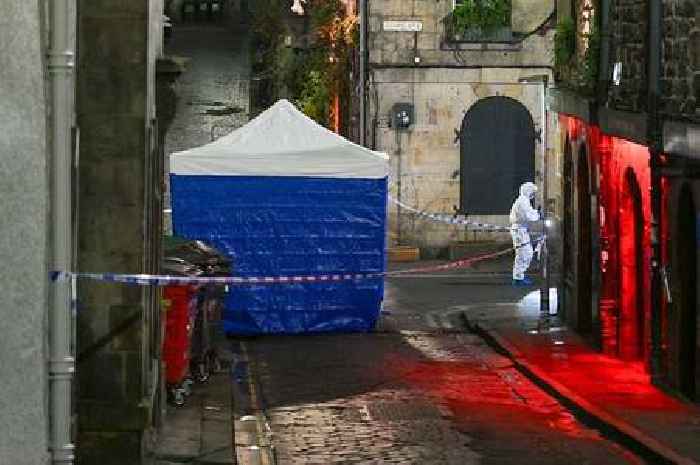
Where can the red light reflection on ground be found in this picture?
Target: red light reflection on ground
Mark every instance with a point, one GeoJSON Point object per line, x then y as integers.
{"type": "Point", "coordinates": [498, 394]}
{"type": "Point", "coordinates": [598, 377]}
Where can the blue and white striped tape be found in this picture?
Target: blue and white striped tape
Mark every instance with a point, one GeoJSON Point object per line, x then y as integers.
{"type": "Point", "coordinates": [166, 280]}
{"type": "Point", "coordinates": [449, 219]}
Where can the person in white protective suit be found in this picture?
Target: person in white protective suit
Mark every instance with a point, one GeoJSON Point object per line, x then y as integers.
{"type": "Point", "coordinates": [521, 214]}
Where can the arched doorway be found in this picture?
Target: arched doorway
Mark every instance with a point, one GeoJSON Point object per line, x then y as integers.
{"type": "Point", "coordinates": [497, 154]}
{"type": "Point", "coordinates": [687, 277]}
{"type": "Point", "coordinates": [630, 322]}
{"type": "Point", "coordinates": [584, 259]}
{"type": "Point", "coordinates": [568, 231]}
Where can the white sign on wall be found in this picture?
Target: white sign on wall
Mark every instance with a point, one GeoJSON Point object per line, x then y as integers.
{"type": "Point", "coordinates": [403, 26]}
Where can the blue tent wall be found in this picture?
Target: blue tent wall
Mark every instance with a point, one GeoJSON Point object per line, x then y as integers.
{"type": "Point", "coordinates": [284, 226]}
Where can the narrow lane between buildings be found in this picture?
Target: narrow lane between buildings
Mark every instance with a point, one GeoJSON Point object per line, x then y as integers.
{"type": "Point", "coordinates": [420, 390]}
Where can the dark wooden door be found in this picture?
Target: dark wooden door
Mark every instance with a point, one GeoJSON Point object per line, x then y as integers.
{"type": "Point", "coordinates": [497, 155]}
{"type": "Point", "coordinates": [687, 276]}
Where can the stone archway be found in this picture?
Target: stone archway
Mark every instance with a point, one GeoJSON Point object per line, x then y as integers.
{"type": "Point", "coordinates": [497, 149]}
{"type": "Point", "coordinates": [568, 231]}
{"type": "Point", "coordinates": [630, 322]}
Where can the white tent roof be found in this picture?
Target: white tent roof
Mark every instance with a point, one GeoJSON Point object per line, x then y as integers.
{"type": "Point", "coordinates": [281, 141]}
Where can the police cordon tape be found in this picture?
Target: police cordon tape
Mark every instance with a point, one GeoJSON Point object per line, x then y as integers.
{"type": "Point", "coordinates": [448, 219]}
{"type": "Point", "coordinates": [167, 280]}
{"type": "Point", "coordinates": [475, 225]}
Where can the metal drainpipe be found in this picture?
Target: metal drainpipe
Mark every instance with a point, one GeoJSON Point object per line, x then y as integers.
{"type": "Point", "coordinates": [61, 360]}
{"type": "Point", "coordinates": [544, 251]}
{"type": "Point", "coordinates": [656, 147]}
{"type": "Point", "coordinates": [399, 175]}
{"type": "Point", "coordinates": [363, 72]}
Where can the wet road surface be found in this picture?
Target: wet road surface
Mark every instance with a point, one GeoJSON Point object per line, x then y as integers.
{"type": "Point", "coordinates": [421, 390]}
{"type": "Point", "coordinates": [212, 92]}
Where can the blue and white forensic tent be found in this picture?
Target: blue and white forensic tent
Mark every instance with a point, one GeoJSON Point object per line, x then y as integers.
{"type": "Point", "coordinates": [283, 196]}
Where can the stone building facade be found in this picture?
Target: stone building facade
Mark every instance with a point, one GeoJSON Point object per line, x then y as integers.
{"type": "Point", "coordinates": [105, 127]}
{"type": "Point", "coordinates": [681, 55]}
{"type": "Point", "coordinates": [119, 229]}
{"type": "Point", "coordinates": [680, 79]}
{"type": "Point", "coordinates": [679, 115]}
{"type": "Point", "coordinates": [631, 159]}
{"type": "Point", "coordinates": [628, 46]}
{"type": "Point", "coordinates": [416, 60]}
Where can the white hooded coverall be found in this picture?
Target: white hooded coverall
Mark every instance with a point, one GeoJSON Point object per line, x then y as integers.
{"type": "Point", "coordinates": [521, 213]}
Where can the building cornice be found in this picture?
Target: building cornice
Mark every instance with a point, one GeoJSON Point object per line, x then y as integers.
{"type": "Point", "coordinates": [624, 124]}
{"type": "Point", "coordinates": [570, 103]}
{"type": "Point", "coordinates": [455, 66]}
{"type": "Point", "coordinates": [681, 139]}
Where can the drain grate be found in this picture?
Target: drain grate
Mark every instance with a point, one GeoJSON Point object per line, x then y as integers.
{"type": "Point", "coordinates": [402, 411]}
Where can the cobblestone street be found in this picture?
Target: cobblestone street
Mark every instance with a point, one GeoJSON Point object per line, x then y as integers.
{"type": "Point", "coordinates": [419, 391]}
{"type": "Point", "coordinates": [213, 91]}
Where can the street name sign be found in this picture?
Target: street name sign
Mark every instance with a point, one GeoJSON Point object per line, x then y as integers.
{"type": "Point", "coordinates": [403, 26]}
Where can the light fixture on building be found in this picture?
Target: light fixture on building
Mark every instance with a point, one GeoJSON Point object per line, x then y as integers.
{"type": "Point", "coordinates": [617, 73]}
{"type": "Point", "coordinates": [401, 116]}
{"type": "Point", "coordinates": [297, 8]}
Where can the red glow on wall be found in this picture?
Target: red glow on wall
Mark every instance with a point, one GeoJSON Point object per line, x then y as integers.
{"type": "Point", "coordinates": [631, 182]}
{"type": "Point", "coordinates": [620, 176]}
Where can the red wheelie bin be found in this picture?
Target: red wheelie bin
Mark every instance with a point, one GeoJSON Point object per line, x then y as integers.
{"type": "Point", "coordinates": [177, 342]}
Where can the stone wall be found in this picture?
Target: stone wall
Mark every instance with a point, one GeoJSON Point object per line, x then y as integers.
{"type": "Point", "coordinates": [115, 110]}
{"type": "Point", "coordinates": [430, 46]}
{"type": "Point", "coordinates": [429, 155]}
{"type": "Point", "coordinates": [681, 56]}
{"type": "Point", "coordinates": [24, 187]}
{"type": "Point", "coordinates": [628, 45]}
{"type": "Point", "coordinates": [442, 80]}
